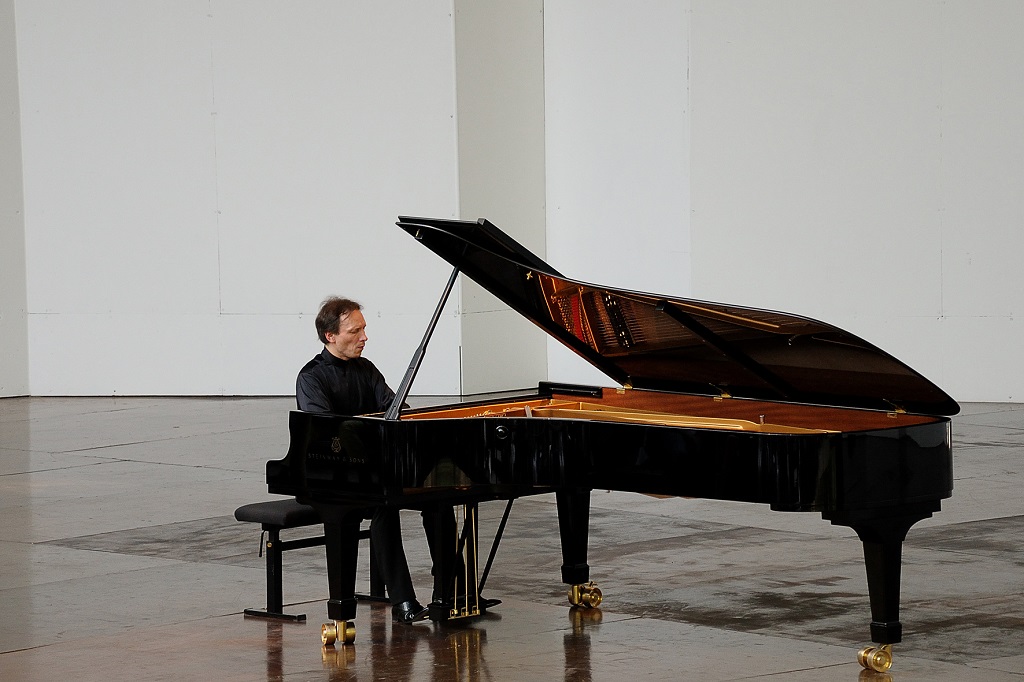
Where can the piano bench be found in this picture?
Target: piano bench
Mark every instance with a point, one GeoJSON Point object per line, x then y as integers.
{"type": "Point", "coordinates": [275, 516]}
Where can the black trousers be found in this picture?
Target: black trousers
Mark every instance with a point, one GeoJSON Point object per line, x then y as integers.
{"type": "Point", "coordinates": [386, 537]}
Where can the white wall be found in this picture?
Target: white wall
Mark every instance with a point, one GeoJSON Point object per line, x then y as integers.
{"type": "Point", "coordinates": [499, 65]}
{"type": "Point", "coordinates": [862, 163]}
{"type": "Point", "coordinates": [199, 174]}
{"type": "Point", "coordinates": [617, 150]}
{"type": "Point", "coordinates": [13, 303]}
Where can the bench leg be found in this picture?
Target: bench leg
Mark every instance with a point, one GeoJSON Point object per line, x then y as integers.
{"type": "Point", "coordinates": [275, 591]}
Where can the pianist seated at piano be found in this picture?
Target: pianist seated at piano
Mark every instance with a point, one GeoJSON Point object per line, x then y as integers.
{"type": "Point", "coordinates": [340, 381]}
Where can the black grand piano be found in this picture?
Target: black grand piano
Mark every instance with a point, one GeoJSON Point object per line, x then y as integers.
{"type": "Point", "coordinates": [714, 401]}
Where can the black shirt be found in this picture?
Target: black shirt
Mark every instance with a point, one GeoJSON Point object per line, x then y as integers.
{"type": "Point", "coordinates": [330, 384]}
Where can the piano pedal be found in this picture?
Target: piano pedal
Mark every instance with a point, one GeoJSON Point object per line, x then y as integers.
{"type": "Point", "coordinates": [454, 609]}
{"type": "Point", "coordinates": [587, 595]}
{"type": "Point", "coordinates": [878, 659]}
{"type": "Point", "coordinates": [464, 611]}
{"type": "Point", "coordinates": [343, 630]}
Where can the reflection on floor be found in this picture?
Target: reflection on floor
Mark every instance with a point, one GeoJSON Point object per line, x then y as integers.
{"type": "Point", "coordinates": [119, 559]}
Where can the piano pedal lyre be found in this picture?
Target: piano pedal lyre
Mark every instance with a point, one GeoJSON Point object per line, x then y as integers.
{"type": "Point", "coordinates": [343, 630]}
{"type": "Point", "coordinates": [467, 594]}
{"type": "Point", "coordinates": [878, 659]}
{"type": "Point", "coordinates": [587, 595]}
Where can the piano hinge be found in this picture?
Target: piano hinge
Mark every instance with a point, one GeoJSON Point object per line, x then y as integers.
{"type": "Point", "coordinates": [896, 410]}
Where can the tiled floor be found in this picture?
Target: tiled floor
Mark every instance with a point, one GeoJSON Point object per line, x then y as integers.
{"type": "Point", "coordinates": [119, 559]}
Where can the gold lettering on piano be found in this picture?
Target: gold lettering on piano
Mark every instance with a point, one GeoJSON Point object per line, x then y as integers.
{"type": "Point", "coordinates": [343, 457]}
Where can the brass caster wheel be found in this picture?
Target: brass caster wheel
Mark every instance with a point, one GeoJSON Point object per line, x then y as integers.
{"type": "Point", "coordinates": [878, 659]}
{"type": "Point", "coordinates": [334, 631]}
{"type": "Point", "coordinates": [587, 595]}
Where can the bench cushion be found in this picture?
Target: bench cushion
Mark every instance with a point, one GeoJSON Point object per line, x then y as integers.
{"type": "Point", "coordinates": [281, 513]}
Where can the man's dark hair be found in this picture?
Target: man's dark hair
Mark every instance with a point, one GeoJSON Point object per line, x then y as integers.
{"type": "Point", "coordinates": [331, 312]}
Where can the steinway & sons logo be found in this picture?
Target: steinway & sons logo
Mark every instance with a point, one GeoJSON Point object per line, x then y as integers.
{"type": "Point", "coordinates": [334, 452]}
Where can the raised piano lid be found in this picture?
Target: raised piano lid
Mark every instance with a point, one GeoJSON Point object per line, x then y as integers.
{"type": "Point", "coordinates": [663, 343]}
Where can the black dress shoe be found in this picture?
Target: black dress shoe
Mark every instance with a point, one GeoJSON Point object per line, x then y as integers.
{"type": "Point", "coordinates": [409, 612]}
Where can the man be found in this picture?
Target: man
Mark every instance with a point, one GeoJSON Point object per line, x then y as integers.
{"type": "Point", "coordinates": [341, 381]}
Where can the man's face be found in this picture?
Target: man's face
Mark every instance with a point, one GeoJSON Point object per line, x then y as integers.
{"type": "Point", "coordinates": [351, 337]}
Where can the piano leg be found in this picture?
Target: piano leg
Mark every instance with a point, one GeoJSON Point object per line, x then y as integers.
{"type": "Point", "coordinates": [882, 537]}
{"type": "Point", "coordinates": [574, 529]}
{"type": "Point", "coordinates": [342, 544]}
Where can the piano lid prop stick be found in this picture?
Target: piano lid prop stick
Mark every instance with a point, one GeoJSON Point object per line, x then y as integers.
{"type": "Point", "coordinates": [725, 348]}
{"type": "Point", "coordinates": [496, 542]}
{"type": "Point", "coordinates": [410, 374]}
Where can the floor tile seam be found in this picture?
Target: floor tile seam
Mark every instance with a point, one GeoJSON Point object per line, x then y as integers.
{"type": "Point", "coordinates": [27, 543]}
{"type": "Point", "coordinates": [994, 660]}
{"type": "Point", "coordinates": [166, 439]}
{"type": "Point", "coordinates": [706, 539]}
{"type": "Point", "coordinates": [128, 628]}
{"type": "Point", "coordinates": [244, 560]}
{"type": "Point", "coordinates": [60, 468]}
{"type": "Point", "coordinates": [988, 408]}
{"type": "Point", "coordinates": [980, 418]}
{"type": "Point", "coordinates": [987, 519]}
{"type": "Point", "coordinates": [986, 448]}
{"type": "Point", "coordinates": [732, 527]}
{"type": "Point", "coordinates": [847, 641]}
{"type": "Point", "coordinates": [998, 477]}
{"type": "Point", "coordinates": [758, 569]}
{"type": "Point", "coordinates": [212, 519]}
{"type": "Point", "coordinates": [104, 550]}
{"type": "Point", "coordinates": [768, 633]}
{"type": "Point", "coordinates": [970, 420]}
{"type": "Point", "coordinates": [110, 460]}
{"type": "Point", "coordinates": [618, 512]}
{"type": "Point", "coordinates": [993, 556]}
{"type": "Point", "coordinates": [783, 674]}
{"type": "Point", "coordinates": [29, 648]}
{"type": "Point", "coordinates": [125, 460]}
{"type": "Point", "coordinates": [761, 508]}
{"type": "Point", "coordinates": [965, 448]}
{"type": "Point", "coordinates": [165, 563]}
{"type": "Point", "coordinates": [954, 623]}
{"type": "Point", "coordinates": [128, 552]}
{"type": "Point", "coordinates": [756, 572]}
